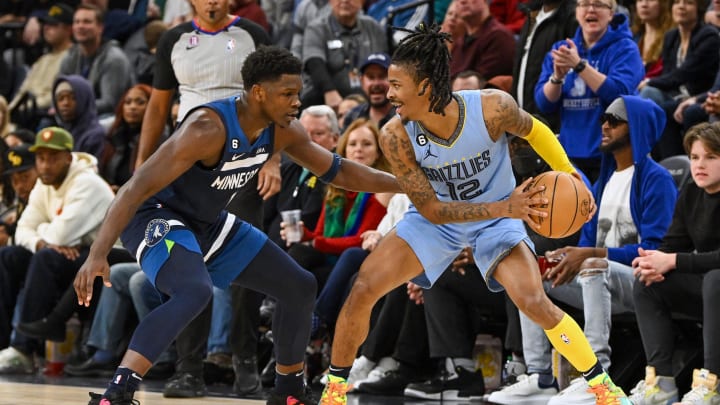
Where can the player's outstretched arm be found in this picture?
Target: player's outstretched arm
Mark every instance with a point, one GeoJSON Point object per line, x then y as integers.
{"type": "Point", "coordinates": [200, 138]}
{"type": "Point", "coordinates": [349, 175]}
{"type": "Point", "coordinates": [396, 146]}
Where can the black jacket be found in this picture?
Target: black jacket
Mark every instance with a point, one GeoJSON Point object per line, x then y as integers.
{"type": "Point", "coordinates": [560, 25]}
{"type": "Point", "coordinates": [701, 61]}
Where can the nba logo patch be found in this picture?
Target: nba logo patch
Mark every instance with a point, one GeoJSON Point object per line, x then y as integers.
{"type": "Point", "coordinates": [565, 339]}
{"type": "Point", "coordinates": [156, 231]}
{"type": "Point", "coordinates": [230, 46]}
{"type": "Point", "coordinates": [194, 41]}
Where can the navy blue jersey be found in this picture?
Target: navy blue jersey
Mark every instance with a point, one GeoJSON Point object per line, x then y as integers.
{"type": "Point", "coordinates": [201, 193]}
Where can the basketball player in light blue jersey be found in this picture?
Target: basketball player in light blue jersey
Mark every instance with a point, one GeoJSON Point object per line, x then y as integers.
{"type": "Point", "coordinates": [449, 152]}
{"type": "Point", "coordinates": [171, 215]}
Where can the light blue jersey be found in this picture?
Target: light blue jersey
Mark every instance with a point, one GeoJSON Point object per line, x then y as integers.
{"type": "Point", "coordinates": [468, 167]}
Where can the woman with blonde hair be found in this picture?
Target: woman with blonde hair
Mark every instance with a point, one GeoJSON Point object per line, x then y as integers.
{"type": "Point", "coordinates": [653, 18]}
{"type": "Point", "coordinates": [345, 215]}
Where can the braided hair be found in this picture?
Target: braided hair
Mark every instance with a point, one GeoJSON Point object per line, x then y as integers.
{"type": "Point", "coordinates": [426, 53]}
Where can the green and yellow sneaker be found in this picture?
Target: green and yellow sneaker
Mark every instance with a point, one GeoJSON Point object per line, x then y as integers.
{"type": "Point", "coordinates": [606, 392]}
{"type": "Point", "coordinates": [335, 392]}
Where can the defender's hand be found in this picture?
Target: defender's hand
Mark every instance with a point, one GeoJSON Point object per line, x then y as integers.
{"type": "Point", "coordinates": [85, 277]}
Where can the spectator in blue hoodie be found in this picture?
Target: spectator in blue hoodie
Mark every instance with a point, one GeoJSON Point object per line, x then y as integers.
{"type": "Point", "coordinates": [636, 198]}
{"type": "Point", "coordinates": [583, 75]}
{"type": "Point", "coordinates": [74, 104]}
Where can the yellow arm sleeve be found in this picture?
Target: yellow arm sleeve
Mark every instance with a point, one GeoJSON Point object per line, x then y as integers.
{"type": "Point", "coordinates": [546, 144]}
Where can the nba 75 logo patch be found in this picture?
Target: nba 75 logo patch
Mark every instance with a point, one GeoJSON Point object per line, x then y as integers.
{"type": "Point", "coordinates": [156, 231]}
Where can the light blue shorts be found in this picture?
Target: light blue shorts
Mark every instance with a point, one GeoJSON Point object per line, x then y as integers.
{"type": "Point", "coordinates": [436, 246]}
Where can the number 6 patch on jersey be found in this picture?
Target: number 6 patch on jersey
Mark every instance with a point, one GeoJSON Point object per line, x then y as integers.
{"type": "Point", "coordinates": [421, 139]}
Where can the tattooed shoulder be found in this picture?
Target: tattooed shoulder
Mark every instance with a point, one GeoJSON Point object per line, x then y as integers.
{"type": "Point", "coordinates": [502, 114]}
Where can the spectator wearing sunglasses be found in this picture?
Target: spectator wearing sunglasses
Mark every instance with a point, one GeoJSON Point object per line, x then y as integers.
{"type": "Point", "coordinates": [635, 198]}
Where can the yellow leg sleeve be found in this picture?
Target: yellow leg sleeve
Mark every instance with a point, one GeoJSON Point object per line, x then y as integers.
{"type": "Point", "coordinates": [570, 341]}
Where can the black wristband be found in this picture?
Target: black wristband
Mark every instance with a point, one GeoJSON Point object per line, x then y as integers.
{"type": "Point", "coordinates": [555, 80]}
{"type": "Point", "coordinates": [580, 66]}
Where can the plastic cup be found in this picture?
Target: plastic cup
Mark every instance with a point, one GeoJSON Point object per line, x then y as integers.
{"type": "Point", "coordinates": [293, 229]}
{"type": "Point", "coordinates": [545, 264]}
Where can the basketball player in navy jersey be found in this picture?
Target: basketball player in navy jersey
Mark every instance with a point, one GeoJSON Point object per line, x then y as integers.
{"type": "Point", "coordinates": [463, 195]}
{"type": "Point", "coordinates": [171, 216]}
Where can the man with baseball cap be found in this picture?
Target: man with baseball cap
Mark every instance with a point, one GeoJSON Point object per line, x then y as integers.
{"type": "Point", "coordinates": [20, 166]}
{"type": "Point", "coordinates": [375, 84]}
{"type": "Point", "coordinates": [59, 13]}
{"type": "Point", "coordinates": [53, 138]}
{"type": "Point", "coordinates": [52, 239]}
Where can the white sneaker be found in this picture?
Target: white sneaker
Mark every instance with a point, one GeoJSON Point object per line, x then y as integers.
{"type": "Point", "coordinates": [704, 389]}
{"type": "Point", "coordinates": [525, 391]}
{"type": "Point", "coordinates": [12, 361]}
{"type": "Point", "coordinates": [648, 392]}
{"type": "Point", "coordinates": [575, 394]}
{"type": "Point", "coordinates": [362, 366]}
{"type": "Point", "coordinates": [384, 366]}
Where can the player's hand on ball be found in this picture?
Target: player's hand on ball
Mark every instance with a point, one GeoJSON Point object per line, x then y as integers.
{"type": "Point", "coordinates": [593, 207]}
{"type": "Point", "coordinates": [523, 203]}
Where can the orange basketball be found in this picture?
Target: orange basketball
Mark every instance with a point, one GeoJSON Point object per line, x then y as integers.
{"type": "Point", "coordinates": [568, 204]}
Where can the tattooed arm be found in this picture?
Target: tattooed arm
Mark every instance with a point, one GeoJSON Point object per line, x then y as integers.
{"type": "Point", "coordinates": [502, 114]}
{"type": "Point", "coordinates": [396, 146]}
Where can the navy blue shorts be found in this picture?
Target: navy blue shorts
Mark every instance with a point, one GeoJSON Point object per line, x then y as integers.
{"type": "Point", "coordinates": [227, 245]}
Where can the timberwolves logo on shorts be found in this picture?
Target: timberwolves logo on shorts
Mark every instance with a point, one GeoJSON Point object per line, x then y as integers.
{"type": "Point", "coordinates": [155, 231]}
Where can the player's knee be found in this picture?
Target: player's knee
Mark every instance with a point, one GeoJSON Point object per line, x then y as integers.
{"type": "Point", "coordinates": [200, 294]}
{"type": "Point", "coordinates": [303, 291]}
{"type": "Point", "coordinates": [366, 291]}
{"type": "Point", "coordinates": [533, 304]}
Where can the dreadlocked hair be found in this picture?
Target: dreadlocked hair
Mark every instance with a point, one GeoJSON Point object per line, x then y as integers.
{"type": "Point", "coordinates": [425, 51]}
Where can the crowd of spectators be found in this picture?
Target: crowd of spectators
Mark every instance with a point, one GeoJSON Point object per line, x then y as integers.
{"type": "Point", "coordinates": [89, 88]}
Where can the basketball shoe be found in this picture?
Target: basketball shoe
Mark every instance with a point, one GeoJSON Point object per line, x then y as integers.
{"type": "Point", "coordinates": [704, 389]}
{"type": "Point", "coordinates": [301, 398]}
{"type": "Point", "coordinates": [606, 392]}
{"type": "Point", "coordinates": [112, 399]}
{"type": "Point", "coordinates": [335, 392]}
{"type": "Point", "coordinates": [650, 392]}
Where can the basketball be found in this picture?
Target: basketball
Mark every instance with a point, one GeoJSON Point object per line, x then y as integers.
{"type": "Point", "coordinates": [568, 204]}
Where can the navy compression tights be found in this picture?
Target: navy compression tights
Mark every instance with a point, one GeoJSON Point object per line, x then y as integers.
{"type": "Point", "coordinates": [184, 279]}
